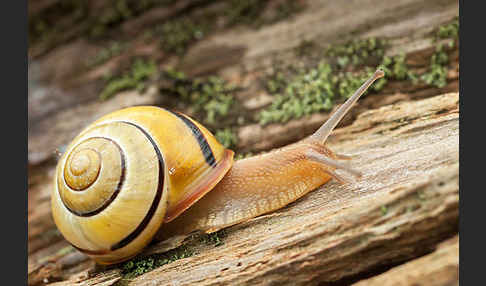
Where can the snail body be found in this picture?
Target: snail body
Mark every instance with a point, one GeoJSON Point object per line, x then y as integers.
{"type": "Point", "coordinates": [273, 179]}
{"type": "Point", "coordinates": [145, 171]}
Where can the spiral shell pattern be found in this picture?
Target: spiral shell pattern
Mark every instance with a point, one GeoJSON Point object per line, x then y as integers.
{"type": "Point", "coordinates": [113, 182]}
{"type": "Point", "coordinates": [112, 196]}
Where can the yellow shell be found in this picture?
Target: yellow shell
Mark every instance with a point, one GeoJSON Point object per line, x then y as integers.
{"type": "Point", "coordinates": [129, 172]}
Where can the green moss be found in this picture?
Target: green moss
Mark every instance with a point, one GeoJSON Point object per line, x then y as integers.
{"type": "Point", "coordinates": [349, 82]}
{"type": "Point", "coordinates": [176, 35]}
{"type": "Point", "coordinates": [116, 85]}
{"type": "Point", "coordinates": [175, 75]}
{"type": "Point", "coordinates": [143, 69]}
{"type": "Point", "coordinates": [226, 137]}
{"type": "Point", "coordinates": [436, 75]}
{"type": "Point", "coordinates": [384, 210]}
{"type": "Point", "coordinates": [47, 24]}
{"type": "Point", "coordinates": [357, 52]}
{"type": "Point", "coordinates": [117, 12]}
{"type": "Point", "coordinates": [250, 12]}
{"type": "Point", "coordinates": [306, 93]}
{"type": "Point", "coordinates": [276, 82]}
{"type": "Point", "coordinates": [134, 79]}
{"type": "Point", "coordinates": [244, 12]}
{"type": "Point", "coordinates": [215, 238]}
{"type": "Point", "coordinates": [449, 31]}
{"type": "Point", "coordinates": [60, 21]}
{"type": "Point", "coordinates": [312, 91]}
{"type": "Point", "coordinates": [141, 265]}
{"type": "Point", "coordinates": [105, 54]}
{"type": "Point", "coordinates": [396, 68]}
{"type": "Point", "coordinates": [112, 15]}
{"type": "Point", "coordinates": [300, 92]}
{"type": "Point", "coordinates": [211, 95]}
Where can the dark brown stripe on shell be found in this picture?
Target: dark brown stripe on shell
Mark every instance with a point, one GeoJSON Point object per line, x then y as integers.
{"type": "Point", "coordinates": [155, 203]}
{"type": "Point", "coordinates": [146, 220]}
{"type": "Point", "coordinates": [201, 140]}
{"type": "Point", "coordinates": [92, 252]}
{"type": "Point", "coordinates": [115, 193]}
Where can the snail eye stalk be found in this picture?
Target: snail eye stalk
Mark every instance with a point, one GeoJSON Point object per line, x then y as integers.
{"type": "Point", "coordinates": [325, 130]}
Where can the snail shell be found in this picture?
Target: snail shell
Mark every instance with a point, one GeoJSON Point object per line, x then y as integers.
{"type": "Point", "coordinates": [129, 172]}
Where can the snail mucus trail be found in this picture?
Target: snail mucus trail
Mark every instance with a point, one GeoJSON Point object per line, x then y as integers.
{"type": "Point", "coordinates": [145, 172]}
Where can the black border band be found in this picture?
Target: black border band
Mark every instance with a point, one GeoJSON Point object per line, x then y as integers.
{"type": "Point", "coordinates": [201, 140]}
{"type": "Point", "coordinates": [153, 208]}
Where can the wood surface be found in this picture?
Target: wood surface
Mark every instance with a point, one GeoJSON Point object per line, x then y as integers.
{"type": "Point", "coordinates": [397, 225]}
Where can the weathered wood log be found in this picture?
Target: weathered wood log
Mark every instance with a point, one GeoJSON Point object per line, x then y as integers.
{"type": "Point", "coordinates": [66, 93]}
{"type": "Point", "coordinates": [405, 204]}
{"type": "Point", "coordinates": [441, 267]}
{"type": "Point", "coordinates": [404, 139]}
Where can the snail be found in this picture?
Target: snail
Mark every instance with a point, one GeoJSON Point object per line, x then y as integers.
{"type": "Point", "coordinates": [145, 170]}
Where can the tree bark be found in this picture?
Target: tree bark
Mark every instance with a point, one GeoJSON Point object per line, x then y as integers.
{"type": "Point", "coordinates": [404, 205]}
{"type": "Point", "coordinates": [67, 97]}
{"type": "Point", "coordinates": [440, 267]}
{"type": "Point", "coordinates": [398, 224]}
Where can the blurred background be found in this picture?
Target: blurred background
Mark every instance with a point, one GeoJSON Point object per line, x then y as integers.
{"type": "Point", "coordinates": [258, 74]}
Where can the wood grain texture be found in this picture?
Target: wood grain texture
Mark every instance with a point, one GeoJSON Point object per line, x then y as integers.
{"type": "Point", "coordinates": [400, 218]}
{"type": "Point", "coordinates": [440, 267]}
{"type": "Point", "coordinates": [406, 202]}
{"type": "Point", "coordinates": [66, 96]}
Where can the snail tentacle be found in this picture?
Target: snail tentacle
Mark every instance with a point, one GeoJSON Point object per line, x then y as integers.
{"type": "Point", "coordinates": [344, 157]}
{"type": "Point", "coordinates": [325, 130]}
{"type": "Point", "coordinates": [320, 158]}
